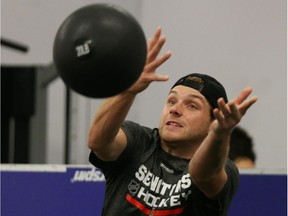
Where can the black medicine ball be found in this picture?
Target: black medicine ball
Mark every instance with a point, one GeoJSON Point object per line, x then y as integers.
{"type": "Point", "coordinates": [99, 50]}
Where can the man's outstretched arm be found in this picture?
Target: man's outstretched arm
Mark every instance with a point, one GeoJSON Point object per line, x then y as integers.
{"type": "Point", "coordinates": [106, 139]}
{"type": "Point", "coordinates": [207, 167]}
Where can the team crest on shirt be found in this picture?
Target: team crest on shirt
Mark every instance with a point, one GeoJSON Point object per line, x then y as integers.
{"type": "Point", "coordinates": [133, 187]}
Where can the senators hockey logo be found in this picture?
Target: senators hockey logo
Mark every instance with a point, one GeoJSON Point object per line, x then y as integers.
{"type": "Point", "coordinates": [152, 195]}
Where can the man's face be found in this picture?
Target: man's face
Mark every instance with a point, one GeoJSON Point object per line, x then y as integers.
{"type": "Point", "coordinates": [186, 117]}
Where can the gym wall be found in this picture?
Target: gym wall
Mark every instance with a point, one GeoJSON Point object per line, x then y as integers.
{"type": "Point", "coordinates": [241, 43]}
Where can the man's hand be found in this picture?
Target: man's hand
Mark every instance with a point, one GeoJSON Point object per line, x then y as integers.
{"type": "Point", "coordinates": [228, 115]}
{"type": "Point", "coordinates": [149, 74]}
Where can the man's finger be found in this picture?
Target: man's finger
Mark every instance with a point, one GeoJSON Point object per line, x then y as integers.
{"type": "Point", "coordinates": [153, 40]}
{"type": "Point", "coordinates": [243, 95]}
{"type": "Point", "coordinates": [247, 104]}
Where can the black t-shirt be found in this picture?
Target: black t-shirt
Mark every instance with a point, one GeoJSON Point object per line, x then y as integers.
{"type": "Point", "coordinates": [145, 180]}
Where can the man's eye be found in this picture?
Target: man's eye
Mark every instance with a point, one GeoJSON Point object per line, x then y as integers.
{"type": "Point", "coordinates": [192, 106]}
{"type": "Point", "coordinates": [171, 102]}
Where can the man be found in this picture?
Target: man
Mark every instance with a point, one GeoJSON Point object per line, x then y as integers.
{"type": "Point", "coordinates": [180, 168]}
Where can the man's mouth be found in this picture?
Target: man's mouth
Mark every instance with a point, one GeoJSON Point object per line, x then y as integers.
{"type": "Point", "coordinates": [173, 123]}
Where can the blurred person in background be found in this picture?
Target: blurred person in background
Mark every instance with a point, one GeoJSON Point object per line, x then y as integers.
{"type": "Point", "coordinates": [241, 148]}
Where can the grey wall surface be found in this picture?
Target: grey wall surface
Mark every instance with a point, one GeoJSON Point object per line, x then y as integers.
{"type": "Point", "coordinates": [241, 43]}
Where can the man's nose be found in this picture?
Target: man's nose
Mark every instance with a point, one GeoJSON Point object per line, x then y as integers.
{"type": "Point", "coordinates": [176, 109]}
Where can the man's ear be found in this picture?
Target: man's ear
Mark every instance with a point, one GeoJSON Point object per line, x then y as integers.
{"type": "Point", "coordinates": [212, 119]}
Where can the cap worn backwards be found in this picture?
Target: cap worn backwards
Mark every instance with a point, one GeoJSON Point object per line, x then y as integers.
{"type": "Point", "coordinates": [208, 86]}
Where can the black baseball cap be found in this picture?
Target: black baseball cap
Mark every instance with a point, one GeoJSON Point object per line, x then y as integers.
{"type": "Point", "coordinates": [206, 85]}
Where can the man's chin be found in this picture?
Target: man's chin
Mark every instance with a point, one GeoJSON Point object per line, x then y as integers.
{"type": "Point", "coordinates": [171, 141]}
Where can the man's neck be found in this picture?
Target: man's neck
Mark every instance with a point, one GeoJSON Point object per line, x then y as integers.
{"type": "Point", "coordinates": [182, 150]}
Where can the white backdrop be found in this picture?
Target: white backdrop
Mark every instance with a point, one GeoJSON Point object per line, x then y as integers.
{"type": "Point", "coordinates": [241, 43]}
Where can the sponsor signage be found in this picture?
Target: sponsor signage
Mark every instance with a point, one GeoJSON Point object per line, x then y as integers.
{"type": "Point", "coordinates": [47, 190]}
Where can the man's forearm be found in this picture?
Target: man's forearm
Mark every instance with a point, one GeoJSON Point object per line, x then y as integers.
{"type": "Point", "coordinates": [207, 166]}
{"type": "Point", "coordinates": [109, 119]}
{"type": "Point", "coordinates": [210, 156]}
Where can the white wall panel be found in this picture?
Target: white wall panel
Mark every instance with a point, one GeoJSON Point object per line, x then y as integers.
{"type": "Point", "coordinates": [241, 43]}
